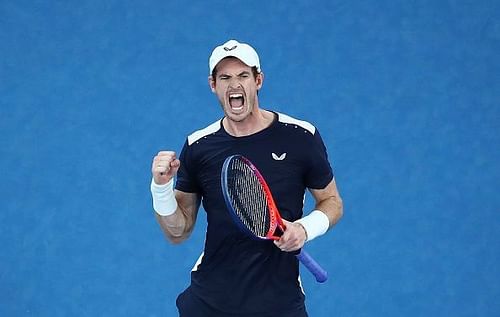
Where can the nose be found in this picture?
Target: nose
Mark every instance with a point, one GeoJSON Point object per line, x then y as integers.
{"type": "Point", "coordinates": [234, 83]}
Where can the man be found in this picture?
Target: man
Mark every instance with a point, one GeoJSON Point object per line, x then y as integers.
{"type": "Point", "coordinates": [236, 275]}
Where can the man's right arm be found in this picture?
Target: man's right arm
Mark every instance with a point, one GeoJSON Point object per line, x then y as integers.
{"type": "Point", "coordinates": [178, 226]}
{"type": "Point", "coordinates": [176, 211]}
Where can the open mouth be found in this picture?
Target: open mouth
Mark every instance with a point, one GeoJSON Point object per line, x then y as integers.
{"type": "Point", "coordinates": [236, 101]}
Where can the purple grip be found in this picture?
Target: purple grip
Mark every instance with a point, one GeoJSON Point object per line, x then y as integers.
{"type": "Point", "coordinates": [313, 266]}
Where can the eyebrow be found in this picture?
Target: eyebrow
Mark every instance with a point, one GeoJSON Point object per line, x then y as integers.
{"type": "Point", "coordinates": [245, 72]}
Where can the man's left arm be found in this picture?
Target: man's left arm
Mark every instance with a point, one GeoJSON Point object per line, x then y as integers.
{"type": "Point", "coordinates": [329, 202]}
{"type": "Point", "coordinates": [327, 212]}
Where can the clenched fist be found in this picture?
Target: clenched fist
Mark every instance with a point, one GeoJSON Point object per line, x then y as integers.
{"type": "Point", "coordinates": [165, 166]}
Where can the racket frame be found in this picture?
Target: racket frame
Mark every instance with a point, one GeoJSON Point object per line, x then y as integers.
{"type": "Point", "coordinates": [276, 222]}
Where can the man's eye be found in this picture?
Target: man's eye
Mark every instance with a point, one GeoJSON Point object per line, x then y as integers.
{"type": "Point", "coordinates": [224, 77]}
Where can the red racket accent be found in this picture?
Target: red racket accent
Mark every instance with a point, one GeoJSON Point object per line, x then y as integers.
{"type": "Point", "coordinates": [277, 226]}
{"type": "Point", "coordinates": [250, 203]}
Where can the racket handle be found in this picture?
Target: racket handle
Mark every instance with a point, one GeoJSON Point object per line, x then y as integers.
{"type": "Point", "coordinates": [319, 273]}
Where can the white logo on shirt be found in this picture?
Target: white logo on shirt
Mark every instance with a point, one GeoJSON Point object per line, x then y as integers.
{"type": "Point", "coordinates": [278, 158]}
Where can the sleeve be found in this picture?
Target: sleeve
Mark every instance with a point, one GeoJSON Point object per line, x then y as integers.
{"type": "Point", "coordinates": [319, 173]}
{"type": "Point", "coordinates": [186, 175]}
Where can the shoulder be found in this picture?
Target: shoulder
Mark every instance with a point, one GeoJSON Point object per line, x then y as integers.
{"type": "Point", "coordinates": [210, 129]}
{"type": "Point", "coordinates": [288, 120]}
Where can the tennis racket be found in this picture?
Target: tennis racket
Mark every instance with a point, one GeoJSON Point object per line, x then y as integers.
{"type": "Point", "coordinates": [251, 205]}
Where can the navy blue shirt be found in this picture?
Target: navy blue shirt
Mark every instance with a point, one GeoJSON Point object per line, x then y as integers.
{"type": "Point", "coordinates": [236, 273]}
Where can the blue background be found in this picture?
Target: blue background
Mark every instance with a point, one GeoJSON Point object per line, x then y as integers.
{"type": "Point", "coordinates": [405, 93]}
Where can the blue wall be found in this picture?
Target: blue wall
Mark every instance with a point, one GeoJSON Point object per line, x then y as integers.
{"type": "Point", "coordinates": [405, 93]}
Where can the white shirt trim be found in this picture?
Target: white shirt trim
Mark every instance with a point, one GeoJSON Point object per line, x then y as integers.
{"type": "Point", "coordinates": [290, 120]}
{"type": "Point", "coordinates": [198, 262]}
{"type": "Point", "coordinates": [195, 136]}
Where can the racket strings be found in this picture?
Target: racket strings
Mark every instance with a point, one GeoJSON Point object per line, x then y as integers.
{"type": "Point", "coordinates": [248, 198]}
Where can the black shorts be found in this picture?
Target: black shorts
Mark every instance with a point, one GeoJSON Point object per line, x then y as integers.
{"type": "Point", "coordinates": [190, 305]}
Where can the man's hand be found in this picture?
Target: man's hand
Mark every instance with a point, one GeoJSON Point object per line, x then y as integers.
{"type": "Point", "coordinates": [165, 166]}
{"type": "Point", "coordinates": [293, 238]}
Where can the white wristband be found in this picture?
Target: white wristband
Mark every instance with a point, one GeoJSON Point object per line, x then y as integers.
{"type": "Point", "coordinates": [164, 202]}
{"type": "Point", "coordinates": [315, 224]}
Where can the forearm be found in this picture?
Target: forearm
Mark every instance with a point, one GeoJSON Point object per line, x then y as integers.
{"type": "Point", "coordinates": [175, 211]}
{"type": "Point", "coordinates": [332, 207]}
{"type": "Point", "coordinates": [177, 227]}
{"type": "Point", "coordinates": [327, 212]}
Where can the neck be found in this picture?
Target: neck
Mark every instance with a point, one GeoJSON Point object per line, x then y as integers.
{"type": "Point", "coordinates": [256, 122]}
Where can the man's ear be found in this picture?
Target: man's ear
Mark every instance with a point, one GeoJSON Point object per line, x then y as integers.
{"type": "Point", "coordinates": [211, 83]}
{"type": "Point", "coordinates": [259, 79]}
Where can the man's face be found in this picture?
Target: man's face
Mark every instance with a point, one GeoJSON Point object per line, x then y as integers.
{"type": "Point", "coordinates": [236, 88]}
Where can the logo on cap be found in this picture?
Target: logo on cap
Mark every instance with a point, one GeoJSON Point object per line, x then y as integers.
{"type": "Point", "coordinates": [227, 49]}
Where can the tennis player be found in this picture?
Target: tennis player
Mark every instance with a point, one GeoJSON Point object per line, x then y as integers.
{"type": "Point", "coordinates": [236, 275]}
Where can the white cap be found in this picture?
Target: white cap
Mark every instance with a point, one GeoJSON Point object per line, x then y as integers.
{"type": "Point", "coordinates": [233, 48]}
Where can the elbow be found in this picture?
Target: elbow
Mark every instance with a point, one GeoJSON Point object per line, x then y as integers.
{"type": "Point", "coordinates": [340, 205]}
{"type": "Point", "coordinates": [176, 240]}
{"type": "Point", "coordinates": [339, 210]}
{"type": "Point", "coordinates": [176, 237]}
